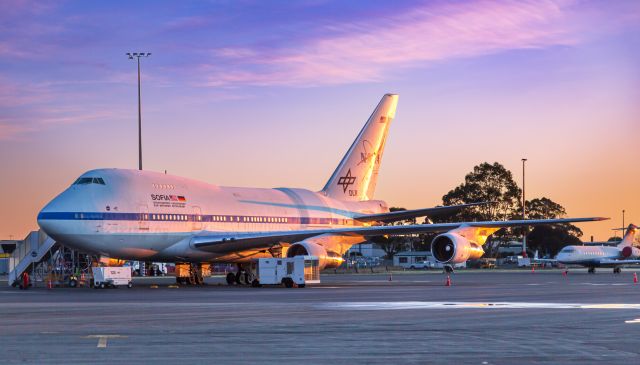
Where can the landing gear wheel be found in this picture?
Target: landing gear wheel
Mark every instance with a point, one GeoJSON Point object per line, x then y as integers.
{"type": "Point", "coordinates": [241, 278]}
{"type": "Point", "coordinates": [592, 270]}
{"type": "Point", "coordinates": [617, 270]}
{"type": "Point", "coordinates": [288, 282]}
{"type": "Point", "coordinates": [231, 278]}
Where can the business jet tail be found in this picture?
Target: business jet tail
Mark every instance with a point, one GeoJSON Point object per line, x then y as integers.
{"type": "Point", "coordinates": [355, 177]}
{"type": "Point", "coordinates": [629, 236]}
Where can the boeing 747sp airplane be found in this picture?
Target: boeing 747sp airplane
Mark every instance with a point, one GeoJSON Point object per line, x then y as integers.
{"type": "Point", "coordinates": [150, 216]}
{"type": "Point", "coordinates": [601, 256]}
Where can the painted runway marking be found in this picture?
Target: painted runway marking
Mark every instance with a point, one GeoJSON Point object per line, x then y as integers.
{"type": "Point", "coordinates": [102, 339]}
{"type": "Point", "coordinates": [471, 305]}
{"type": "Point", "coordinates": [637, 320]}
{"type": "Point", "coordinates": [606, 284]}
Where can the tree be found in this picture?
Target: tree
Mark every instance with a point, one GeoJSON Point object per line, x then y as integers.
{"type": "Point", "coordinates": [550, 239]}
{"type": "Point", "coordinates": [491, 183]}
{"type": "Point", "coordinates": [486, 183]}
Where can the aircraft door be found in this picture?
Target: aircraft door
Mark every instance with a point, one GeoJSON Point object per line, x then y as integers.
{"type": "Point", "coordinates": [196, 224]}
{"type": "Point", "coordinates": [143, 217]}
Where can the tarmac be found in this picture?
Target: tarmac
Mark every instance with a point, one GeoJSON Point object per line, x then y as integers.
{"type": "Point", "coordinates": [485, 317]}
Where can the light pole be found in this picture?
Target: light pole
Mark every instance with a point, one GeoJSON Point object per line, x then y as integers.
{"type": "Point", "coordinates": [524, 214]}
{"type": "Point", "coordinates": [623, 223]}
{"type": "Point", "coordinates": [137, 55]}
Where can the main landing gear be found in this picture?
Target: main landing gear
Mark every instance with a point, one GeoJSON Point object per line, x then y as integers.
{"type": "Point", "coordinates": [191, 273]}
{"type": "Point", "coordinates": [591, 270]}
{"type": "Point", "coordinates": [242, 277]}
{"type": "Point", "coordinates": [617, 270]}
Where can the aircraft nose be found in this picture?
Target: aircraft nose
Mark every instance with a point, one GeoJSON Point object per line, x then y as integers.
{"type": "Point", "coordinates": [50, 217]}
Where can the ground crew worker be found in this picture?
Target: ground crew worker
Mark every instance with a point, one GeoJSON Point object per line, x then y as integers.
{"type": "Point", "coordinates": [25, 280]}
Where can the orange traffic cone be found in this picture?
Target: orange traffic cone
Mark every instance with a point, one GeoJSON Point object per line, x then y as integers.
{"type": "Point", "coordinates": [635, 278]}
{"type": "Point", "coordinates": [564, 273]}
{"type": "Point", "coordinates": [49, 285]}
{"type": "Point", "coordinates": [533, 269]}
{"type": "Point", "coordinates": [448, 282]}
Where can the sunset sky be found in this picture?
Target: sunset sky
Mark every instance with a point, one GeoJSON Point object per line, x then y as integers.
{"type": "Point", "coordinates": [271, 93]}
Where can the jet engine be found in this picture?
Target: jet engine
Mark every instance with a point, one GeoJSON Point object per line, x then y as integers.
{"type": "Point", "coordinates": [451, 248]}
{"type": "Point", "coordinates": [629, 252]}
{"type": "Point", "coordinates": [327, 259]}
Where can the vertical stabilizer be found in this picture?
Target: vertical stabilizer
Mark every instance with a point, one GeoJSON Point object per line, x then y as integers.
{"type": "Point", "coordinates": [356, 176]}
{"type": "Point", "coordinates": [629, 236]}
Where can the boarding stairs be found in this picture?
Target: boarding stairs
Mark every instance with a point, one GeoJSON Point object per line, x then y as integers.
{"type": "Point", "coordinates": [36, 248]}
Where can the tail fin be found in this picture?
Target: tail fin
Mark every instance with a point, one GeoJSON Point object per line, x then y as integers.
{"type": "Point", "coordinates": [629, 237]}
{"type": "Point", "coordinates": [356, 176]}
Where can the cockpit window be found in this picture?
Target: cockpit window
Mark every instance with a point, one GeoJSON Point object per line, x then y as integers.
{"type": "Point", "coordinates": [89, 180]}
{"type": "Point", "coordinates": [568, 249]}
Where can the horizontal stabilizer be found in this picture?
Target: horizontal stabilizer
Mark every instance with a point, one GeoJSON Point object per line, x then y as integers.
{"type": "Point", "coordinates": [408, 214]}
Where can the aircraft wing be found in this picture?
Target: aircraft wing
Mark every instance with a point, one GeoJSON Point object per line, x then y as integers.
{"type": "Point", "coordinates": [227, 242]}
{"type": "Point", "coordinates": [408, 214]}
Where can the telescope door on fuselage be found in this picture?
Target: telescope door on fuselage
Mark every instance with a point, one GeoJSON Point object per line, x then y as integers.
{"type": "Point", "coordinates": [197, 219]}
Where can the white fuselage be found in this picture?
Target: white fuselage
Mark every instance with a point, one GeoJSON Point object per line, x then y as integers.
{"type": "Point", "coordinates": [590, 255]}
{"type": "Point", "coordinates": [143, 215]}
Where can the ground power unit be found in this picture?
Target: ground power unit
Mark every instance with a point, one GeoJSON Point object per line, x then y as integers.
{"type": "Point", "coordinates": [111, 277]}
{"type": "Point", "coordinates": [298, 270]}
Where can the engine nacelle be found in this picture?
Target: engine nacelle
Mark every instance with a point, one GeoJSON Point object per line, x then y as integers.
{"type": "Point", "coordinates": [451, 248]}
{"type": "Point", "coordinates": [629, 252]}
{"type": "Point", "coordinates": [327, 259]}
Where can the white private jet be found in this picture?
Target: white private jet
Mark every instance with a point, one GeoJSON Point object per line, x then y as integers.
{"type": "Point", "coordinates": [600, 256]}
{"type": "Point", "coordinates": [150, 216]}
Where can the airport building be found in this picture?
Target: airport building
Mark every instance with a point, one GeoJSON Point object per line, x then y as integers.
{"type": "Point", "coordinates": [6, 248]}
{"type": "Point", "coordinates": [367, 249]}
{"type": "Point", "coordinates": [408, 258]}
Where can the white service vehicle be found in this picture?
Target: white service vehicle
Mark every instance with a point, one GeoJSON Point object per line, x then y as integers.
{"type": "Point", "coordinates": [426, 264]}
{"type": "Point", "coordinates": [110, 277]}
{"type": "Point", "coordinates": [299, 270]}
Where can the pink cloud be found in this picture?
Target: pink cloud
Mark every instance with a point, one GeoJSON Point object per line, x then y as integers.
{"type": "Point", "coordinates": [367, 50]}
{"type": "Point", "coordinates": [10, 130]}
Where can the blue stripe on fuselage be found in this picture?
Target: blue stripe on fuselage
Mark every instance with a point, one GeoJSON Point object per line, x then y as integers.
{"type": "Point", "coordinates": [176, 217]}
